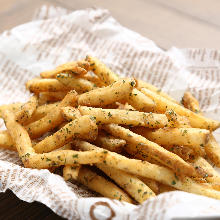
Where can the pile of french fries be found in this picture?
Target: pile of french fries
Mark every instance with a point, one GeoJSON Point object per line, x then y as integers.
{"type": "Point", "coordinates": [120, 137]}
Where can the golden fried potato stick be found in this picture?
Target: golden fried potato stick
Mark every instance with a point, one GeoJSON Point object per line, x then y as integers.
{"type": "Point", "coordinates": [196, 121]}
{"type": "Point", "coordinates": [151, 149]}
{"type": "Point", "coordinates": [71, 172]}
{"type": "Point", "coordinates": [141, 84]}
{"type": "Point", "coordinates": [152, 171]}
{"type": "Point", "coordinates": [214, 179]}
{"type": "Point", "coordinates": [6, 141]}
{"type": "Point", "coordinates": [117, 91]}
{"type": "Point", "coordinates": [212, 149]}
{"type": "Point", "coordinates": [125, 117]}
{"type": "Point", "coordinates": [27, 110]}
{"type": "Point", "coordinates": [190, 102]}
{"type": "Point", "coordinates": [78, 68]}
{"type": "Point", "coordinates": [84, 127]}
{"type": "Point", "coordinates": [109, 142]}
{"type": "Point", "coordinates": [70, 113]}
{"type": "Point", "coordinates": [53, 118]}
{"type": "Point", "coordinates": [153, 184]}
{"type": "Point", "coordinates": [102, 71]}
{"type": "Point", "coordinates": [42, 161]}
{"type": "Point", "coordinates": [18, 135]}
{"type": "Point", "coordinates": [140, 101]}
{"type": "Point", "coordinates": [11, 107]}
{"type": "Point", "coordinates": [45, 85]}
{"type": "Point", "coordinates": [192, 137]}
{"type": "Point", "coordinates": [97, 183]}
{"type": "Point", "coordinates": [79, 84]}
{"type": "Point", "coordinates": [130, 183]}
{"type": "Point", "coordinates": [63, 157]}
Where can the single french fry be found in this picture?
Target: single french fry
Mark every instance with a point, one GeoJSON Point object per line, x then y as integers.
{"type": "Point", "coordinates": [71, 172]}
{"type": "Point", "coordinates": [70, 113]}
{"type": "Point", "coordinates": [125, 117]}
{"type": "Point", "coordinates": [84, 127]}
{"type": "Point", "coordinates": [99, 184]}
{"type": "Point", "coordinates": [141, 84]}
{"type": "Point", "coordinates": [45, 85]}
{"type": "Point", "coordinates": [6, 141]}
{"type": "Point", "coordinates": [63, 157]}
{"type": "Point", "coordinates": [102, 71]}
{"type": "Point", "coordinates": [53, 118]}
{"type": "Point", "coordinates": [193, 137]}
{"type": "Point", "coordinates": [27, 110]}
{"type": "Point", "coordinates": [76, 68]}
{"type": "Point", "coordinates": [130, 183]}
{"type": "Point", "coordinates": [196, 120]}
{"type": "Point", "coordinates": [140, 101]}
{"type": "Point", "coordinates": [190, 102]}
{"type": "Point", "coordinates": [152, 171]}
{"type": "Point", "coordinates": [79, 84]}
{"type": "Point", "coordinates": [109, 142]}
{"type": "Point", "coordinates": [18, 135]}
{"type": "Point", "coordinates": [117, 91]}
{"type": "Point", "coordinates": [153, 184]}
{"type": "Point", "coordinates": [151, 149]}
{"type": "Point", "coordinates": [11, 107]}
{"type": "Point", "coordinates": [212, 150]}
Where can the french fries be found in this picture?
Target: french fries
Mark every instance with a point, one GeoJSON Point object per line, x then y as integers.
{"type": "Point", "coordinates": [97, 183]}
{"type": "Point", "coordinates": [79, 84]}
{"type": "Point", "coordinates": [71, 172]}
{"type": "Point", "coordinates": [151, 149]}
{"type": "Point", "coordinates": [52, 119]}
{"type": "Point", "coordinates": [130, 183]}
{"type": "Point", "coordinates": [212, 150]}
{"type": "Point", "coordinates": [190, 102]}
{"type": "Point", "coordinates": [71, 130]}
{"type": "Point", "coordinates": [196, 120]}
{"type": "Point", "coordinates": [11, 107]}
{"type": "Point", "coordinates": [27, 110]}
{"type": "Point", "coordinates": [6, 141]}
{"type": "Point", "coordinates": [63, 157]}
{"type": "Point", "coordinates": [70, 113]}
{"type": "Point", "coordinates": [102, 71]}
{"type": "Point", "coordinates": [152, 171]}
{"type": "Point", "coordinates": [125, 117]}
{"type": "Point", "coordinates": [194, 137]}
{"type": "Point", "coordinates": [147, 142]}
{"type": "Point", "coordinates": [45, 85]}
{"type": "Point", "coordinates": [117, 91]}
{"type": "Point", "coordinates": [78, 68]}
{"type": "Point", "coordinates": [141, 84]}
